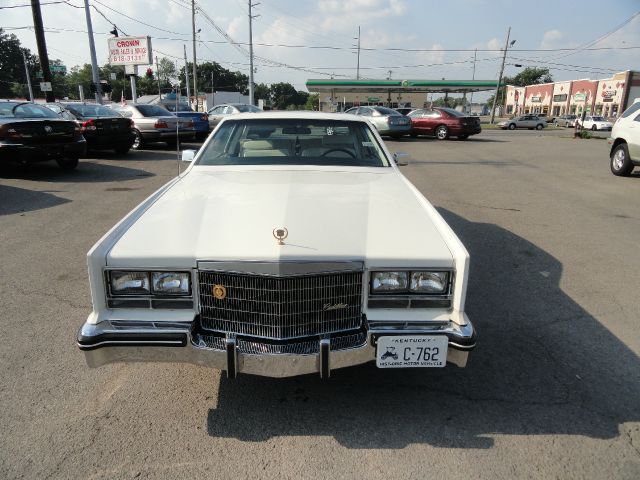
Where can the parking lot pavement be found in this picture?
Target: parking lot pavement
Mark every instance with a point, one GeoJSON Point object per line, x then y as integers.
{"type": "Point", "coordinates": [550, 392]}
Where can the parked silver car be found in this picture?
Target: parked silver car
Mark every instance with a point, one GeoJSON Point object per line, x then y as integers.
{"type": "Point", "coordinates": [219, 112]}
{"type": "Point", "coordinates": [152, 123]}
{"type": "Point", "coordinates": [524, 121]}
{"type": "Point", "coordinates": [387, 121]}
{"type": "Point", "coordinates": [565, 121]}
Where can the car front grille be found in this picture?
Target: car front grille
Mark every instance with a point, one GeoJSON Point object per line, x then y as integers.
{"type": "Point", "coordinates": [280, 307]}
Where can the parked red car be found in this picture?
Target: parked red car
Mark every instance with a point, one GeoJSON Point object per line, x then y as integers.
{"type": "Point", "coordinates": [443, 123]}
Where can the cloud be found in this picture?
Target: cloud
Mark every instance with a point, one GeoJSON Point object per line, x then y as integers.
{"type": "Point", "coordinates": [339, 14]}
{"type": "Point", "coordinates": [551, 39]}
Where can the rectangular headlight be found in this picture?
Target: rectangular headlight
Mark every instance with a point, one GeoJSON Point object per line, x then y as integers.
{"type": "Point", "coordinates": [171, 283]}
{"type": "Point", "coordinates": [429, 282]}
{"type": "Point", "coordinates": [129, 283]}
{"type": "Point", "coordinates": [388, 282]}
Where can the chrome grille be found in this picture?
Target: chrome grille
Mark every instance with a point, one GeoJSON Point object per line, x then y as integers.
{"type": "Point", "coordinates": [281, 307]}
{"type": "Point", "coordinates": [305, 347]}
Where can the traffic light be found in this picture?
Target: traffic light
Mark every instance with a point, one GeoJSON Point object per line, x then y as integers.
{"type": "Point", "coordinates": [149, 73]}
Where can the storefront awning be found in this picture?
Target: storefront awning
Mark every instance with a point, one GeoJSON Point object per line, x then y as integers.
{"type": "Point", "coordinates": [384, 86]}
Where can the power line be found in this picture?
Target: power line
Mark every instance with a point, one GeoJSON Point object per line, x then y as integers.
{"type": "Point", "coordinates": [29, 5]}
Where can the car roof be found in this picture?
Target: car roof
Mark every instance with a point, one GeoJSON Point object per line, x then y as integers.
{"type": "Point", "coordinates": [302, 115]}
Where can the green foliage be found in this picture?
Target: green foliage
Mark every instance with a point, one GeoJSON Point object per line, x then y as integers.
{"type": "Point", "coordinates": [312, 102]}
{"type": "Point", "coordinates": [13, 80]}
{"type": "Point", "coordinates": [528, 76]}
{"type": "Point", "coordinates": [584, 134]}
{"type": "Point", "coordinates": [211, 75]}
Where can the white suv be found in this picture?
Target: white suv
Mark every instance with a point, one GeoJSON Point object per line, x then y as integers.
{"type": "Point", "coordinates": [625, 141]}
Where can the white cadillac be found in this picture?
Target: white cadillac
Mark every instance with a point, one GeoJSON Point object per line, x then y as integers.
{"type": "Point", "coordinates": [292, 244]}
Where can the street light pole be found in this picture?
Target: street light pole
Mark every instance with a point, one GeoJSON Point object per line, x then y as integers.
{"type": "Point", "coordinates": [193, 35]}
{"type": "Point", "coordinates": [495, 96]}
{"type": "Point", "coordinates": [26, 69]}
{"type": "Point", "coordinates": [92, 47]}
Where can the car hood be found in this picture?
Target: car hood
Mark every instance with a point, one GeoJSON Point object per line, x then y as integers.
{"type": "Point", "coordinates": [364, 214]}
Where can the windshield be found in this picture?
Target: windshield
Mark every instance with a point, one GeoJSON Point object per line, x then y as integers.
{"type": "Point", "coordinates": [25, 110]}
{"type": "Point", "coordinates": [453, 112]}
{"type": "Point", "coordinates": [182, 107]}
{"type": "Point", "coordinates": [386, 111]}
{"type": "Point", "coordinates": [153, 111]}
{"type": "Point", "coordinates": [94, 111]}
{"type": "Point", "coordinates": [247, 108]}
{"type": "Point", "coordinates": [293, 142]}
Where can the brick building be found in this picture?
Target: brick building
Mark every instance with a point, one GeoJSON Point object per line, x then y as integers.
{"type": "Point", "coordinates": [608, 97]}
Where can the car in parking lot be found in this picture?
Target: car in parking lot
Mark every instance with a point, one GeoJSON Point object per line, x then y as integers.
{"type": "Point", "coordinates": [386, 120]}
{"type": "Point", "coordinates": [153, 123]}
{"type": "Point", "coordinates": [271, 255]}
{"type": "Point", "coordinates": [524, 121]}
{"type": "Point", "coordinates": [443, 123]}
{"type": "Point", "coordinates": [625, 141]}
{"type": "Point", "coordinates": [565, 121]}
{"type": "Point", "coordinates": [180, 107]}
{"type": "Point", "coordinates": [32, 133]}
{"type": "Point", "coordinates": [219, 112]}
{"type": "Point", "coordinates": [594, 123]}
{"type": "Point", "coordinates": [102, 127]}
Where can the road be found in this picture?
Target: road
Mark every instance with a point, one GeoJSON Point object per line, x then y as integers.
{"type": "Point", "coordinates": [551, 391]}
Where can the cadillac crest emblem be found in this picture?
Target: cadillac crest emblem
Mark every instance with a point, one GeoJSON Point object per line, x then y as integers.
{"type": "Point", "coordinates": [219, 291]}
{"type": "Point", "coordinates": [280, 234]}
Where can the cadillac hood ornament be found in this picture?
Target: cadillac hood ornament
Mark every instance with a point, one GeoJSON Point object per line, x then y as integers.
{"type": "Point", "coordinates": [280, 234]}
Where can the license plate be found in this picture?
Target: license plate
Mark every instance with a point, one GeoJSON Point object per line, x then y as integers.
{"type": "Point", "coordinates": [408, 351]}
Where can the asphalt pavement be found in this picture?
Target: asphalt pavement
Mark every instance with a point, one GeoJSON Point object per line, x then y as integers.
{"type": "Point", "coordinates": [551, 391]}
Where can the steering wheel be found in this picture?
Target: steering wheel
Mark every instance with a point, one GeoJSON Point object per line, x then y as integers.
{"type": "Point", "coordinates": [343, 150]}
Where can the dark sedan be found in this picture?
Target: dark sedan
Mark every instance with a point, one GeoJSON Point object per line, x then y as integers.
{"type": "Point", "coordinates": [102, 127]}
{"type": "Point", "coordinates": [443, 123]}
{"type": "Point", "coordinates": [31, 133]}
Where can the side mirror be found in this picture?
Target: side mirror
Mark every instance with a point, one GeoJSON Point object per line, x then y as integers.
{"type": "Point", "coordinates": [188, 155]}
{"type": "Point", "coordinates": [401, 158]}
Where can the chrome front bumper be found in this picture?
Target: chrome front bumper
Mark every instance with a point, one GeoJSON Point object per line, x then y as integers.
{"type": "Point", "coordinates": [106, 343]}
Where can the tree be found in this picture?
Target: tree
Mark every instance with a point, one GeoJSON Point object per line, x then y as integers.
{"type": "Point", "coordinates": [212, 76]}
{"type": "Point", "coordinates": [312, 101]}
{"type": "Point", "coordinates": [528, 76]}
{"type": "Point", "coordinates": [13, 80]}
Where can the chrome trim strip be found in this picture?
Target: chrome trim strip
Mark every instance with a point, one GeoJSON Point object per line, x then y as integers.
{"type": "Point", "coordinates": [280, 268]}
{"type": "Point", "coordinates": [269, 365]}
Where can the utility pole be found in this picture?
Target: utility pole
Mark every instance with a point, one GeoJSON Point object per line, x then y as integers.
{"type": "Point", "coordinates": [495, 96]}
{"type": "Point", "coordinates": [193, 38]}
{"type": "Point", "coordinates": [42, 46]}
{"type": "Point", "coordinates": [92, 47]}
{"type": "Point", "coordinates": [251, 17]}
{"type": "Point", "coordinates": [186, 74]}
{"type": "Point", "coordinates": [473, 75]}
{"type": "Point", "coordinates": [26, 69]}
{"type": "Point", "coordinates": [358, 61]}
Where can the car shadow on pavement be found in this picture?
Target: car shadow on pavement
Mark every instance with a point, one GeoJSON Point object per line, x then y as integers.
{"type": "Point", "coordinates": [19, 200]}
{"type": "Point", "coordinates": [543, 366]}
{"type": "Point", "coordinates": [87, 172]}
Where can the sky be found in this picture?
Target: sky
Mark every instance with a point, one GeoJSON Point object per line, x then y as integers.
{"type": "Point", "coordinates": [601, 37]}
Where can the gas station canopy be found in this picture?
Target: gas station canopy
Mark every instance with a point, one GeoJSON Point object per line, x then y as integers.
{"type": "Point", "coordinates": [383, 86]}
